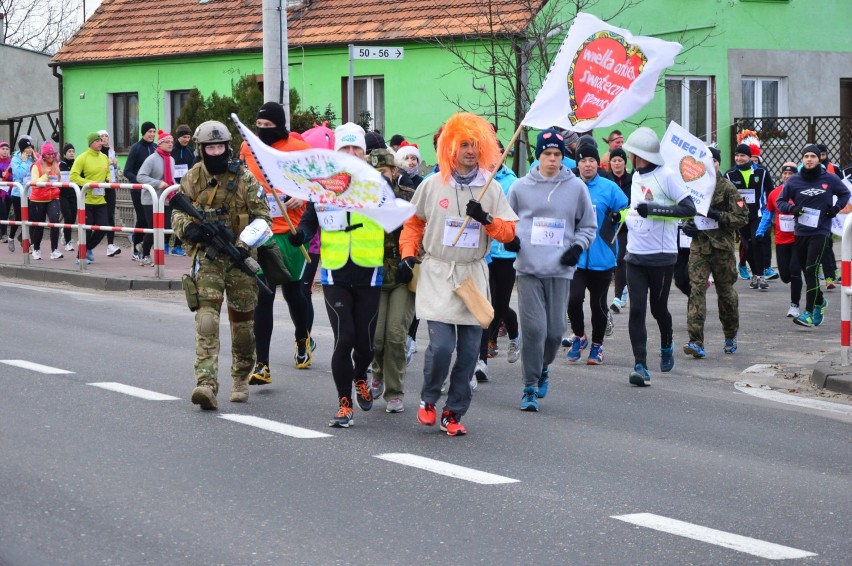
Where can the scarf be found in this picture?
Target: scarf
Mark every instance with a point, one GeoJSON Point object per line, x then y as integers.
{"type": "Point", "coordinates": [465, 179]}
{"type": "Point", "coordinates": [167, 167]}
{"type": "Point", "coordinates": [810, 174]}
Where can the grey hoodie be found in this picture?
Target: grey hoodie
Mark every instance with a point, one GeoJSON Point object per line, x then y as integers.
{"type": "Point", "coordinates": [563, 197]}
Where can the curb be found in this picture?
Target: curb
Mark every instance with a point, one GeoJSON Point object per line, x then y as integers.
{"type": "Point", "coordinates": [88, 280]}
{"type": "Point", "coordinates": [829, 374]}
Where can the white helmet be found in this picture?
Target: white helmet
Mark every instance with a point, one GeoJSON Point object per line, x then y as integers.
{"type": "Point", "coordinates": [644, 143]}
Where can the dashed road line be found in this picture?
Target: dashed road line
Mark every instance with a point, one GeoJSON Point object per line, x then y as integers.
{"type": "Point", "coordinates": [274, 426]}
{"type": "Point", "coordinates": [739, 543]}
{"type": "Point", "coordinates": [134, 391]}
{"type": "Point", "coordinates": [35, 367]}
{"type": "Point", "coordinates": [772, 395]}
{"type": "Point", "coordinates": [445, 469]}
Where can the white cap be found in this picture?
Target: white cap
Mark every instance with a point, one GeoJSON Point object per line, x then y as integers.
{"type": "Point", "coordinates": [349, 134]}
{"type": "Point", "coordinates": [103, 133]}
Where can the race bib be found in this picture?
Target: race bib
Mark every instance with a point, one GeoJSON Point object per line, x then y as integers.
{"type": "Point", "coordinates": [332, 220]}
{"type": "Point", "coordinates": [274, 209]}
{"type": "Point", "coordinates": [547, 231]}
{"type": "Point", "coordinates": [786, 223]}
{"type": "Point", "coordinates": [638, 224]}
{"type": "Point", "coordinates": [98, 191]}
{"type": "Point", "coordinates": [809, 217]}
{"type": "Point", "coordinates": [704, 223]}
{"type": "Point", "coordinates": [468, 239]}
{"type": "Point", "coordinates": [748, 195]}
{"type": "Point", "coordinates": [684, 241]}
{"type": "Point", "coordinates": [65, 176]}
{"type": "Point", "coordinates": [180, 171]}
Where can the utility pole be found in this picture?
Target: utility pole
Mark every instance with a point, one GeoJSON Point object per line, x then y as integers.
{"type": "Point", "coordinates": [275, 79]}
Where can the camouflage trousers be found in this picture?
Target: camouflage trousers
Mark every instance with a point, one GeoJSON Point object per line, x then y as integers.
{"type": "Point", "coordinates": [214, 283]}
{"type": "Point", "coordinates": [722, 265]}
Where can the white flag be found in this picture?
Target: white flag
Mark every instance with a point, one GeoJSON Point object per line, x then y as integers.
{"type": "Point", "coordinates": [329, 177]}
{"type": "Point", "coordinates": [838, 221]}
{"type": "Point", "coordinates": [688, 157]}
{"type": "Point", "coordinates": [600, 76]}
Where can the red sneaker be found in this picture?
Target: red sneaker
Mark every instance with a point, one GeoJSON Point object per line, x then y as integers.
{"type": "Point", "coordinates": [426, 414]}
{"type": "Point", "coordinates": [451, 425]}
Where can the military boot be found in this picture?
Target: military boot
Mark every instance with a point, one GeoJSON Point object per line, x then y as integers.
{"type": "Point", "coordinates": [204, 395]}
{"type": "Point", "coordinates": [240, 391]}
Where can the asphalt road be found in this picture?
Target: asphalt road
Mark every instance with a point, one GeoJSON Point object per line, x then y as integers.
{"type": "Point", "coordinates": [698, 470]}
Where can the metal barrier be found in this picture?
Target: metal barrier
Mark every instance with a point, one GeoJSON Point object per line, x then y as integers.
{"type": "Point", "coordinates": [845, 289]}
{"type": "Point", "coordinates": [25, 215]}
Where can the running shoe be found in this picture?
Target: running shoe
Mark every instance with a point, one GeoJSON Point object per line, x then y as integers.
{"type": "Point", "coordinates": [596, 356]}
{"type": "Point", "coordinates": [303, 356]}
{"type": "Point", "coordinates": [694, 350]}
{"type": "Point", "coordinates": [36, 254]}
{"type": "Point", "coordinates": [395, 406]}
{"type": "Point", "coordinates": [426, 414]}
{"type": "Point", "coordinates": [667, 361]}
{"type": "Point", "coordinates": [481, 372]}
{"type": "Point", "coordinates": [528, 400]}
{"type": "Point", "coordinates": [493, 350]}
{"type": "Point", "coordinates": [578, 344]}
{"type": "Point", "coordinates": [178, 250]}
{"type": "Point", "coordinates": [744, 272]}
{"type": "Point", "coordinates": [451, 425]}
{"type": "Point", "coordinates": [90, 256]}
{"type": "Point", "coordinates": [819, 312]}
{"type": "Point", "coordinates": [753, 284]}
{"type": "Point", "coordinates": [804, 319]}
{"type": "Point", "coordinates": [363, 395]}
{"type": "Point", "coordinates": [543, 383]}
{"type": "Point", "coordinates": [113, 250]}
{"type": "Point", "coordinates": [514, 350]}
{"type": "Point", "coordinates": [345, 415]}
{"type": "Point", "coordinates": [829, 283]}
{"type": "Point", "coordinates": [793, 312]}
{"type": "Point", "coordinates": [640, 376]}
{"type": "Point", "coordinates": [616, 305]}
{"type": "Point", "coordinates": [762, 284]}
{"type": "Point", "coordinates": [260, 375]}
{"type": "Point", "coordinates": [730, 345]}
{"type": "Point", "coordinates": [610, 324]}
{"type": "Point", "coordinates": [770, 274]}
{"type": "Point", "coordinates": [377, 388]}
{"type": "Point", "coordinates": [69, 247]}
{"type": "Point", "coordinates": [56, 254]}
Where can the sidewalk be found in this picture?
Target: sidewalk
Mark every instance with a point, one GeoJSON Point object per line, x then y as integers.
{"type": "Point", "coordinates": [118, 273]}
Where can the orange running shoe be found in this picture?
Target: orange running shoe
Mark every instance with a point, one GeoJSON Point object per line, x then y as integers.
{"type": "Point", "coordinates": [451, 425]}
{"type": "Point", "coordinates": [426, 414]}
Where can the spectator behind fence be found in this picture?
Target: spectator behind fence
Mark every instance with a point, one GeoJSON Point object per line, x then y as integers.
{"type": "Point", "coordinates": [5, 164]}
{"type": "Point", "coordinates": [158, 171]}
{"type": "Point", "coordinates": [139, 152]}
{"type": "Point", "coordinates": [44, 201]}
{"type": "Point", "coordinates": [67, 195]}
{"type": "Point", "coordinates": [22, 162]}
{"type": "Point", "coordinates": [112, 249]}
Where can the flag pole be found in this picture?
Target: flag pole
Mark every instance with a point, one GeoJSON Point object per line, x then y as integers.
{"type": "Point", "coordinates": [289, 222]}
{"type": "Point", "coordinates": [490, 178]}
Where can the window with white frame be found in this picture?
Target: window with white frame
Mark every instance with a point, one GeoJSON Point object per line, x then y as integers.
{"type": "Point", "coordinates": [689, 102]}
{"type": "Point", "coordinates": [370, 98]}
{"type": "Point", "coordinates": [763, 97]}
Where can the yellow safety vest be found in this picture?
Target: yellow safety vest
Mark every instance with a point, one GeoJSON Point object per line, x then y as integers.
{"type": "Point", "coordinates": [365, 244]}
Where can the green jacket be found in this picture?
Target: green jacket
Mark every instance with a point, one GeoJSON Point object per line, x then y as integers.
{"type": "Point", "coordinates": [727, 200]}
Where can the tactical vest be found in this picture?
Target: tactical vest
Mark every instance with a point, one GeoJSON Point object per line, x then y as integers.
{"type": "Point", "coordinates": [365, 244]}
{"type": "Point", "coordinates": [221, 202]}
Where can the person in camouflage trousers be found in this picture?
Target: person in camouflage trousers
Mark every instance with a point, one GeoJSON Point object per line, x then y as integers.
{"type": "Point", "coordinates": [229, 193]}
{"type": "Point", "coordinates": [713, 251]}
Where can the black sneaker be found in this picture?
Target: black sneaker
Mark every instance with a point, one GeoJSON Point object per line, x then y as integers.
{"type": "Point", "coordinates": [345, 416]}
{"type": "Point", "coordinates": [363, 395]}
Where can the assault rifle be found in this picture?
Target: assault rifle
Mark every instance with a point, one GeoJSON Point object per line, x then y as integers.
{"type": "Point", "coordinates": [219, 238]}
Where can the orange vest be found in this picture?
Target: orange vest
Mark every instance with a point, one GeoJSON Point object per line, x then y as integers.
{"type": "Point", "coordinates": [45, 194]}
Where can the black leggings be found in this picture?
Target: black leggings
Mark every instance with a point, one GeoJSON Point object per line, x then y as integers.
{"type": "Point", "coordinates": [597, 283]}
{"type": "Point", "coordinates": [307, 282]}
{"type": "Point", "coordinates": [68, 206]}
{"type": "Point", "coordinates": [620, 269]}
{"type": "Point", "coordinates": [41, 212]}
{"type": "Point", "coordinates": [148, 239]}
{"type": "Point", "coordinates": [110, 197]}
{"type": "Point", "coordinates": [136, 199]}
{"type": "Point", "coordinates": [501, 279]}
{"type": "Point", "coordinates": [681, 271]}
{"type": "Point", "coordinates": [352, 312]}
{"type": "Point", "coordinates": [644, 283]}
{"type": "Point", "coordinates": [789, 270]}
{"type": "Point", "coordinates": [4, 214]}
{"type": "Point", "coordinates": [296, 304]}
{"type": "Point", "coordinates": [810, 251]}
{"type": "Point", "coordinates": [753, 249]}
{"type": "Point", "coordinates": [96, 215]}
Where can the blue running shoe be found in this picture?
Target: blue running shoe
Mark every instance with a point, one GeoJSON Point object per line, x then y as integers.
{"type": "Point", "coordinates": [731, 345]}
{"type": "Point", "coordinates": [90, 256]}
{"type": "Point", "coordinates": [770, 274]}
{"type": "Point", "coordinates": [578, 344]}
{"type": "Point", "coordinates": [744, 272]}
{"type": "Point", "coordinates": [543, 383]}
{"type": "Point", "coordinates": [805, 319]}
{"type": "Point", "coordinates": [596, 355]}
{"type": "Point", "coordinates": [178, 250]}
{"type": "Point", "coordinates": [640, 376]}
{"type": "Point", "coordinates": [667, 361]}
{"type": "Point", "coordinates": [693, 349]}
{"type": "Point", "coordinates": [819, 312]}
{"type": "Point", "coordinates": [529, 401]}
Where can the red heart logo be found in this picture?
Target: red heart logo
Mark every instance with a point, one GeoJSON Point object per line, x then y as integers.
{"type": "Point", "coordinates": [603, 67]}
{"type": "Point", "coordinates": [691, 169]}
{"type": "Point", "coordinates": [825, 185]}
{"type": "Point", "coordinates": [336, 183]}
{"type": "Point", "coordinates": [444, 203]}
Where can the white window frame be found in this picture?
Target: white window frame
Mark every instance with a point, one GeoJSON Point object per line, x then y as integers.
{"type": "Point", "coordinates": [758, 95]}
{"type": "Point", "coordinates": [686, 110]}
{"type": "Point", "coordinates": [371, 102]}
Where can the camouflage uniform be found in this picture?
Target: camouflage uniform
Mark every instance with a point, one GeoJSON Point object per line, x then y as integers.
{"type": "Point", "coordinates": [213, 278]}
{"type": "Point", "coordinates": [712, 251]}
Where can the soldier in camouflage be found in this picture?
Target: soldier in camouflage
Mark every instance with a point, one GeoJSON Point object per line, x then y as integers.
{"type": "Point", "coordinates": [225, 191]}
{"type": "Point", "coordinates": [712, 251]}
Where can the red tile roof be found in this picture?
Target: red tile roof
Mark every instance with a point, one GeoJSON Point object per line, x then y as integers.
{"type": "Point", "coordinates": [137, 29]}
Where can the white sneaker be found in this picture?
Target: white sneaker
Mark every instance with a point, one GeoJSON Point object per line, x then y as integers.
{"type": "Point", "coordinates": [146, 261]}
{"type": "Point", "coordinates": [36, 254]}
{"type": "Point", "coordinates": [481, 371]}
{"type": "Point", "coordinates": [794, 311]}
{"type": "Point", "coordinates": [113, 250]}
{"type": "Point", "coordinates": [514, 350]}
{"type": "Point", "coordinates": [56, 254]}
{"type": "Point", "coordinates": [69, 247]}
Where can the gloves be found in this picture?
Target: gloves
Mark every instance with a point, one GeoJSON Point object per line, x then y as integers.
{"type": "Point", "coordinates": [713, 214]}
{"type": "Point", "coordinates": [195, 233]}
{"type": "Point", "coordinates": [759, 238]}
{"type": "Point", "coordinates": [296, 239]}
{"type": "Point", "coordinates": [244, 253]}
{"type": "Point", "coordinates": [690, 229]}
{"type": "Point", "coordinates": [513, 246]}
{"type": "Point", "coordinates": [572, 256]}
{"type": "Point", "coordinates": [642, 209]}
{"type": "Point", "coordinates": [474, 210]}
{"type": "Point", "coordinates": [832, 212]}
{"type": "Point", "coordinates": [796, 210]}
{"type": "Point", "coordinates": [615, 217]}
{"type": "Point", "coordinates": [405, 273]}
{"type": "Point", "coordinates": [226, 232]}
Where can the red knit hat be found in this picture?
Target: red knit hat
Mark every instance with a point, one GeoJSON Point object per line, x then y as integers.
{"type": "Point", "coordinates": [163, 137]}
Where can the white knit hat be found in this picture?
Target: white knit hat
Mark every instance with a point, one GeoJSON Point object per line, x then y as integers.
{"type": "Point", "coordinates": [349, 134]}
{"type": "Point", "coordinates": [404, 152]}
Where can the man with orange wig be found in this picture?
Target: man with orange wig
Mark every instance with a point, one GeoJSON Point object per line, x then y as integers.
{"type": "Point", "coordinates": [467, 150]}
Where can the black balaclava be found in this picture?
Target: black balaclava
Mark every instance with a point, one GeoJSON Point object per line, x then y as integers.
{"type": "Point", "coordinates": [273, 112]}
{"type": "Point", "coordinates": [216, 164]}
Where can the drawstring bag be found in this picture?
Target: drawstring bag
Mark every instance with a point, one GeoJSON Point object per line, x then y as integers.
{"type": "Point", "coordinates": [476, 302]}
{"type": "Point", "coordinates": [271, 260]}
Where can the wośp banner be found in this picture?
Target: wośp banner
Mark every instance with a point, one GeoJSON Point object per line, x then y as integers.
{"type": "Point", "coordinates": [691, 159]}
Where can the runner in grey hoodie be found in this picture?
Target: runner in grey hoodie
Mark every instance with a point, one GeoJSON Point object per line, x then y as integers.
{"type": "Point", "coordinates": [557, 222]}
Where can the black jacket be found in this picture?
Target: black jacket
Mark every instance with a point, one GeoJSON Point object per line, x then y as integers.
{"type": "Point", "coordinates": [139, 152]}
{"type": "Point", "coordinates": [760, 181]}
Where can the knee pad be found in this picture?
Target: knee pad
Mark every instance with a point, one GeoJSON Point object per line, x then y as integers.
{"type": "Point", "coordinates": [242, 335]}
{"type": "Point", "coordinates": [207, 321]}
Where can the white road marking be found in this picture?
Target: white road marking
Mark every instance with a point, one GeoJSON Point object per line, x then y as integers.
{"type": "Point", "coordinates": [35, 367]}
{"type": "Point", "coordinates": [275, 426]}
{"type": "Point", "coordinates": [771, 395]}
{"type": "Point", "coordinates": [445, 469]}
{"type": "Point", "coordinates": [739, 543]}
{"type": "Point", "coordinates": [135, 391]}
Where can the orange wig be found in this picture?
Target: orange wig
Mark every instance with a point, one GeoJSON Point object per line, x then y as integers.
{"type": "Point", "coordinates": [462, 127]}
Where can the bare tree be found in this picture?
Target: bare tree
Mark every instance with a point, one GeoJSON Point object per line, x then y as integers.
{"type": "Point", "coordinates": [40, 25]}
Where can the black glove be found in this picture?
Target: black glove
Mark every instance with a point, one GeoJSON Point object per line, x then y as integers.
{"type": "Point", "coordinates": [474, 210]}
{"type": "Point", "coordinates": [759, 238]}
{"type": "Point", "coordinates": [832, 212]}
{"type": "Point", "coordinates": [195, 233]}
{"type": "Point", "coordinates": [615, 217]}
{"type": "Point", "coordinates": [513, 246]}
{"type": "Point", "coordinates": [690, 229]}
{"type": "Point", "coordinates": [713, 214]}
{"type": "Point", "coordinates": [642, 209]}
{"type": "Point", "coordinates": [226, 232]}
{"type": "Point", "coordinates": [244, 253]}
{"type": "Point", "coordinates": [405, 273]}
{"type": "Point", "coordinates": [796, 210]}
{"type": "Point", "coordinates": [296, 239]}
{"type": "Point", "coordinates": [572, 256]}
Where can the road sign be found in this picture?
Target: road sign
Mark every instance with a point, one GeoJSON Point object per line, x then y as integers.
{"type": "Point", "coordinates": [387, 53]}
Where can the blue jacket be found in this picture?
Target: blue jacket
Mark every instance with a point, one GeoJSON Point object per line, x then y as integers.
{"type": "Point", "coordinates": [20, 169]}
{"type": "Point", "coordinates": [607, 197]}
{"type": "Point", "coordinates": [506, 177]}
